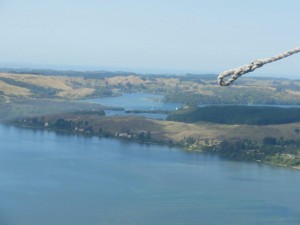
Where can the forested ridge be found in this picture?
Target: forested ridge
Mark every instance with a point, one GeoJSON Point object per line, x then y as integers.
{"type": "Point", "coordinates": [252, 115]}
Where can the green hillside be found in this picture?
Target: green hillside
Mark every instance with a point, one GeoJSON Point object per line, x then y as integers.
{"type": "Point", "coordinates": [252, 115]}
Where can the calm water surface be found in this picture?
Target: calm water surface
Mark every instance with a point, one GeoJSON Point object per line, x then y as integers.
{"type": "Point", "coordinates": [53, 179]}
{"type": "Point", "coordinates": [137, 101]}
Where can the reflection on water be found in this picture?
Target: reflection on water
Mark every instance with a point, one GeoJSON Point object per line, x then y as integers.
{"type": "Point", "coordinates": [47, 178]}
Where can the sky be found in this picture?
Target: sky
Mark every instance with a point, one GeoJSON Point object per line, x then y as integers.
{"type": "Point", "coordinates": [157, 36]}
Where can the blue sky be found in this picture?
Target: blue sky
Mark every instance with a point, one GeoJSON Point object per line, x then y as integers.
{"type": "Point", "coordinates": [175, 36]}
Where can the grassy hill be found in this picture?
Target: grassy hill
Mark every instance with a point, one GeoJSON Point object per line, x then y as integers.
{"type": "Point", "coordinates": [165, 131]}
{"type": "Point", "coordinates": [187, 89]}
{"type": "Point", "coordinates": [46, 102]}
{"type": "Point", "coordinates": [27, 85]}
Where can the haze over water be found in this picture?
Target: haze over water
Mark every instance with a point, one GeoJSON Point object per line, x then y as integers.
{"type": "Point", "coordinates": [49, 178]}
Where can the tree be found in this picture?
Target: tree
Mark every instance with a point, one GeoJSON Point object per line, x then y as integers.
{"type": "Point", "coordinates": [269, 141]}
{"type": "Point", "coordinates": [148, 136]}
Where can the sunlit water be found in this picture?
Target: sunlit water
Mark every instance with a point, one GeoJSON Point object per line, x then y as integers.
{"type": "Point", "coordinates": [54, 179]}
{"type": "Point", "coordinates": [137, 101]}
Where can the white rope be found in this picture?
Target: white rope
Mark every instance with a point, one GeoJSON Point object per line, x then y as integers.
{"type": "Point", "coordinates": [236, 73]}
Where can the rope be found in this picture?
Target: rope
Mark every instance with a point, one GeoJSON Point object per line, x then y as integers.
{"type": "Point", "coordinates": [236, 73]}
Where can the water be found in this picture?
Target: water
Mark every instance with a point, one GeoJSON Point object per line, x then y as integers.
{"type": "Point", "coordinates": [137, 101]}
{"type": "Point", "coordinates": [48, 178]}
{"type": "Point", "coordinates": [146, 101]}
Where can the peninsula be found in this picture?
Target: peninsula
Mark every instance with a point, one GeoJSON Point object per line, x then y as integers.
{"type": "Point", "coordinates": [51, 100]}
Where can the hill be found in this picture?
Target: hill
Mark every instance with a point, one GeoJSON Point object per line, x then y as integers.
{"type": "Point", "coordinates": [187, 89]}
{"type": "Point", "coordinates": [252, 115]}
{"type": "Point", "coordinates": [276, 144]}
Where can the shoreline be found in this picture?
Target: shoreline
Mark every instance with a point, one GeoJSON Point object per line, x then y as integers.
{"type": "Point", "coordinates": [190, 148]}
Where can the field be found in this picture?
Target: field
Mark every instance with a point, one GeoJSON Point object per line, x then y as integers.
{"type": "Point", "coordinates": [51, 102]}
{"type": "Point", "coordinates": [187, 89]}
{"type": "Point", "coordinates": [166, 131]}
{"type": "Point", "coordinates": [28, 95]}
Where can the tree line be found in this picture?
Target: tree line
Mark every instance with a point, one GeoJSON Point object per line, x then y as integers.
{"type": "Point", "coordinates": [251, 115]}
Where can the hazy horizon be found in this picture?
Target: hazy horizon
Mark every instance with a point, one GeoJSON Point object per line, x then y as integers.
{"type": "Point", "coordinates": [150, 36]}
{"type": "Point", "coordinates": [133, 70]}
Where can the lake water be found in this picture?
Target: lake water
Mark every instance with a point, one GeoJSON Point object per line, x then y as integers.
{"type": "Point", "coordinates": [54, 179]}
{"type": "Point", "coordinates": [137, 101]}
{"type": "Point", "coordinates": [147, 101]}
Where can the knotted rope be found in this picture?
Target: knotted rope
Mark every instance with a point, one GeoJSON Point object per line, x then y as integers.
{"type": "Point", "coordinates": [236, 73]}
